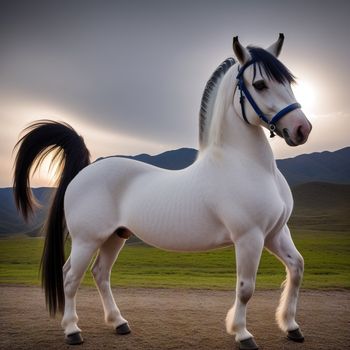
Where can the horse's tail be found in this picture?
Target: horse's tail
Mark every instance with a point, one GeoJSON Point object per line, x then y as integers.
{"type": "Point", "coordinates": [71, 154]}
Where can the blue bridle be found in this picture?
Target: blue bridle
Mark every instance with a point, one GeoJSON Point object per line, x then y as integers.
{"type": "Point", "coordinates": [245, 94]}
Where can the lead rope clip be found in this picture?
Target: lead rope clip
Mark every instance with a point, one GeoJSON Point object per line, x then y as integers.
{"type": "Point", "coordinates": [272, 128]}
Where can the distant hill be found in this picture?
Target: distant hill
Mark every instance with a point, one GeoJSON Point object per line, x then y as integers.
{"type": "Point", "coordinates": [172, 160]}
{"type": "Point", "coordinates": [319, 182]}
{"type": "Point", "coordinates": [333, 167]}
{"type": "Point", "coordinates": [12, 223]}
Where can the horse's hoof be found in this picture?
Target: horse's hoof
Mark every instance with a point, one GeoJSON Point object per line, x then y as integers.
{"type": "Point", "coordinates": [123, 329]}
{"type": "Point", "coordinates": [296, 336]}
{"type": "Point", "coordinates": [74, 339]}
{"type": "Point", "coordinates": [248, 344]}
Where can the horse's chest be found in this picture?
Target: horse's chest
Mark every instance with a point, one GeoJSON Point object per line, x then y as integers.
{"type": "Point", "coordinates": [265, 205]}
{"type": "Point", "coordinates": [274, 205]}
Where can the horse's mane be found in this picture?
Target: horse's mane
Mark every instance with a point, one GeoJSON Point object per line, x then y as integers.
{"type": "Point", "coordinates": [275, 69]}
{"type": "Point", "coordinates": [208, 98]}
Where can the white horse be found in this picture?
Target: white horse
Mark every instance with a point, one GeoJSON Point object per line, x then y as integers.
{"type": "Point", "coordinates": [232, 194]}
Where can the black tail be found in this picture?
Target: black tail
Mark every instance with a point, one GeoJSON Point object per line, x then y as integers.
{"type": "Point", "coordinates": [40, 139]}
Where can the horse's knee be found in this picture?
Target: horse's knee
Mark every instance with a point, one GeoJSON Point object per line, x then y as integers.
{"type": "Point", "coordinates": [300, 264]}
{"type": "Point", "coordinates": [297, 270]}
{"type": "Point", "coordinates": [245, 290]}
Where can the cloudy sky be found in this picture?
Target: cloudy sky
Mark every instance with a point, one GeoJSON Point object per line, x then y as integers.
{"type": "Point", "coordinates": [129, 75]}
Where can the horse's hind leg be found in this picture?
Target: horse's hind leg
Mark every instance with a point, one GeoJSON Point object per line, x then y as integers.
{"type": "Point", "coordinates": [73, 271]}
{"type": "Point", "coordinates": [283, 247]}
{"type": "Point", "coordinates": [66, 268]}
{"type": "Point", "coordinates": [101, 271]}
{"type": "Point", "coordinates": [248, 253]}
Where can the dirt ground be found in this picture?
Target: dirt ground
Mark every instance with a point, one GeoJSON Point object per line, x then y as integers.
{"type": "Point", "coordinates": [172, 319]}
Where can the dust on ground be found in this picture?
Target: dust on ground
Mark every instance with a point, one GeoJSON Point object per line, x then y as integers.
{"type": "Point", "coordinates": [172, 319]}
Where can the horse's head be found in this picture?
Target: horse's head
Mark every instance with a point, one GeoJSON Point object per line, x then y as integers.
{"type": "Point", "coordinates": [264, 95]}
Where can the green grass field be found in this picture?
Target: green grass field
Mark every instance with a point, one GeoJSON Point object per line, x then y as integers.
{"type": "Point", "coordinates": [326, 254]}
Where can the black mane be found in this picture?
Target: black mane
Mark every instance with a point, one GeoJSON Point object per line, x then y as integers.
{"type": "Point", "coordinates": [274, 68]}
{"type": "Point", "coordinates": [210, 93]}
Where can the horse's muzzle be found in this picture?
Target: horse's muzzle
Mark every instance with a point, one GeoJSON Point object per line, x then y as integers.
{"type": "Point", "coordinates": [299, 134]}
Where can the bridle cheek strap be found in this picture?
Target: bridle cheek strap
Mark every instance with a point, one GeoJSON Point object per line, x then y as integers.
{"type": "Point", "coordinates": [245, 94]}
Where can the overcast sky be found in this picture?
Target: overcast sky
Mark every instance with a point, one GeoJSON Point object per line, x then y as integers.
{"type": "Point", "coordinates": [129, 75]}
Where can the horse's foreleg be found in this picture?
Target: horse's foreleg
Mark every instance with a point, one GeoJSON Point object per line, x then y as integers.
{"type": "Point", "coordinates": [101, 271]}
{"type": "Point", "coordinates": [283, 247]}
{"type": "Point", "coordinates": [248, 253]}
{"type": "Point", "coordinates": [73, 271]}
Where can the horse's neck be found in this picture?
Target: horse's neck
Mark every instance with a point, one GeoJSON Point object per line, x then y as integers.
{"type": "Point", "coordinates": [237, 138]}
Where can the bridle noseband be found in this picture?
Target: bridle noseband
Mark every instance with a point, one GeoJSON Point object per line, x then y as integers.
{"type": "Point", "coordinates": [245, 94]}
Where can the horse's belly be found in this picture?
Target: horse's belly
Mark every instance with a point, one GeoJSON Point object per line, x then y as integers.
{"type": "Point", "coordinates": [174, 237]}
{"type": "Point", "coordinates": [172, 216]}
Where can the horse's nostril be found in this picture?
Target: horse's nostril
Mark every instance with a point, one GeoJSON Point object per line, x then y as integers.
{"type": "Point", "coordinates": [285, 133]}
{"type": "Point", "coordinates": [300, 134]}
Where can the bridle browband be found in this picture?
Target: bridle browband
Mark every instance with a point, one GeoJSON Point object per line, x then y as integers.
{"type": "Point", "coordinates": [245, 94]}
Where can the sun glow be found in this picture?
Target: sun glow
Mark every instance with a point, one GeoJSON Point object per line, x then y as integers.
{"type": "Point", "coordinates": [306, 96]}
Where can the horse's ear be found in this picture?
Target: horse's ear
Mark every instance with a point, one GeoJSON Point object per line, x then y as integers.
{"type": "Point", "coordinates": [276, 47]}
{"type": "Point", "coordinates": [240, 51]}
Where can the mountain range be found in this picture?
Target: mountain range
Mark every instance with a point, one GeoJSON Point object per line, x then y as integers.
{"type": "Point", "coordinates": [320, 184]}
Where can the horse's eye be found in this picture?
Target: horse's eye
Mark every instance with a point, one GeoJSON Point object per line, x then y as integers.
{"type": "Point", "coordinates": [260, 85]}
